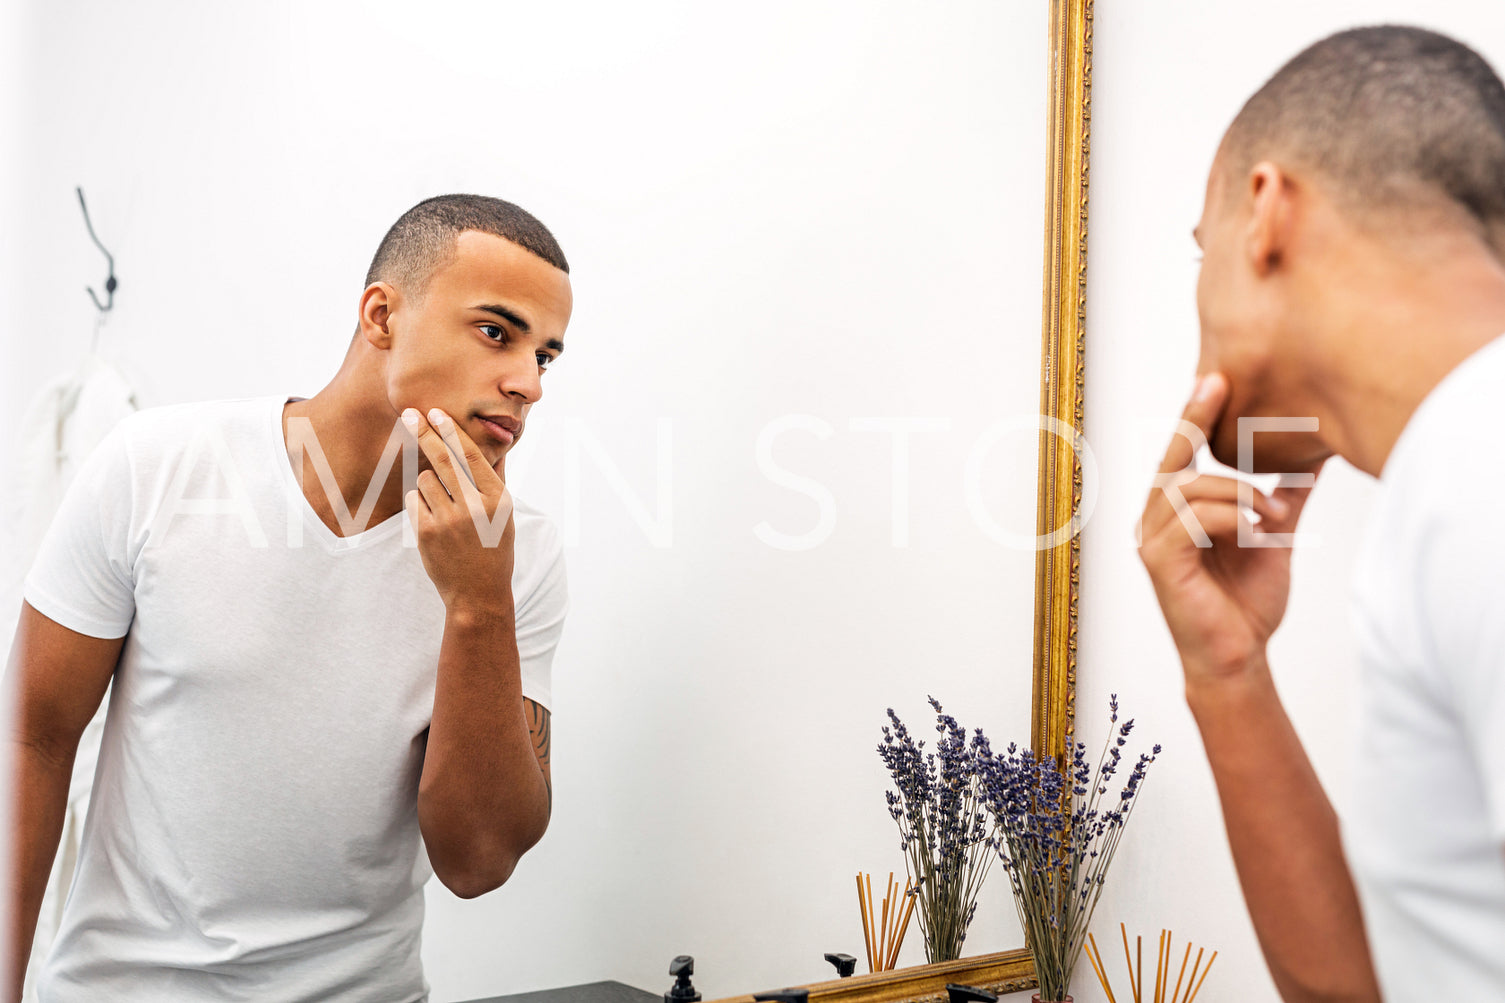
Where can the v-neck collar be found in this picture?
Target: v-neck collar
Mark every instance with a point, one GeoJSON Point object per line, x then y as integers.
{"type": "Point", "coordinates": [326, 537]}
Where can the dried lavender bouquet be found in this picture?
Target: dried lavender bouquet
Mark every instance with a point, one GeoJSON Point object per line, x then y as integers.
{"type": "Point", "coordinates": [1059, 834]}
{"type": "Point", "coordinates": [947, 837]}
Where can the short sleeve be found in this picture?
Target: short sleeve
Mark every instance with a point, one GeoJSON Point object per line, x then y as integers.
{"type": "Point", "coordinates": [81, 576]}
{"type": "Point", "coordinates": [541, 607]}
{"type": "Point", "coordinates": [1462, 593]}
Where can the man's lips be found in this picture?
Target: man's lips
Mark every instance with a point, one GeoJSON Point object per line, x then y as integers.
{"type": "Point", "coordinates": [501, 427]}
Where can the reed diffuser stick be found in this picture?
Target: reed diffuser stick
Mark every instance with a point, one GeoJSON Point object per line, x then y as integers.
{"type": "Point", "coordinates": [1096, 957]}
{"type": "Point", "coordinates": [1139, 969]}
{"type": "Point", "coordinates": [1128, 960]}
{"type": "Point", "coordinates": [1159, 966]}
{"type": "Point", "coordinates": [910, 896]}
{"type": "Point", "coordinates": [1193, 994]}
{"type": "Point", "coordinates": [867, 934]}
{"type": "Point", "coordinates": [1160, 990]}
{"type": "Point", "coordinates": [1170, 938]}
{"type": "Point", "coordinates": [1165, 980]}
{"type": "Point", "coordinates": [888, 895]}
{"type": "Point", "coordinates": [893, 921]}
{"type": "Point", "coordinates": [1184, 959]}
{"type": "Point", "coordinates": [1195, 967]}
{"type": "Point", "coordinates": [883, 929]}
{"type": "Point", "coordinates": [871, 915]}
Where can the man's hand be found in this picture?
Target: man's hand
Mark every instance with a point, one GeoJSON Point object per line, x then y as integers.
{"type": "Point", "coordinates": [483, 796]}
{"type": "Point", "coordinates": [461, 511]}
{"type": "Point", "coordinates": [1222, 602]}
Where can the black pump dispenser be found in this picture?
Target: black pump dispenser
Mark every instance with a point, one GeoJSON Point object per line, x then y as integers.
{"type": "Point", "coordinates": [682, 991]}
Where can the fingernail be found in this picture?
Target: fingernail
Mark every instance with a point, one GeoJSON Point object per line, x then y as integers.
{"type": "Point", "coordinates": [1199, 388]}
{"type": "Point", "coordinates": [436, 416]}
{"type": "Point", "coordinates": [1280, 508]}
{"type": "Point", "coordinates": [410, 417]}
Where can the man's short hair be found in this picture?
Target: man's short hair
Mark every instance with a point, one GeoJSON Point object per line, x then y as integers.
{"type": "Point", "coordinates": [423, 238]}
{"type": "Point", "coordinates": [1392, 117]}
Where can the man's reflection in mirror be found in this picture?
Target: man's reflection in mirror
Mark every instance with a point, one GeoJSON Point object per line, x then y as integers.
{"type": "Point", "coordinates": [327, 627]}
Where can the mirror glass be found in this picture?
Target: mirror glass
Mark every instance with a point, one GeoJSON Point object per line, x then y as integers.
{"type": "Point", "coordinates": [791, 446]}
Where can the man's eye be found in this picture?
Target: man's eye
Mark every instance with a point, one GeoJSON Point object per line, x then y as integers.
{"type": "Point", "coordinates": [544, 359]}
{"type": "Point", "coordinates": [500, 335]}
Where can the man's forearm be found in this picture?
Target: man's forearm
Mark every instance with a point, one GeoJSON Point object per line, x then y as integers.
{"type": "Point", "coordinates": [482, 799]}
{"type": "Point", "coordinates": [39, 802]}
{"type": "Point", "coordinates": [1285, 841]}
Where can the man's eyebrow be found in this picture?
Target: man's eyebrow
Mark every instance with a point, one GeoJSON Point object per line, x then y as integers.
{"type": "Point", "coordinates": [507, 314]}
{"type": "Point", "coordinates": [511, 317]}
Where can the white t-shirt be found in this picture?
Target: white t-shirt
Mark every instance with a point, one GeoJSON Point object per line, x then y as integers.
{"type": "Point", "coordinates": [254, 831]}
{"type": "Point", "coordinates": [1426, 839]}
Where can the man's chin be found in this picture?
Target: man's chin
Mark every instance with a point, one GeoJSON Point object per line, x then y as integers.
{"type": "Point", "coordinates": [498, 456]}
{"type": "Point", "coordinates": [1272, 453]}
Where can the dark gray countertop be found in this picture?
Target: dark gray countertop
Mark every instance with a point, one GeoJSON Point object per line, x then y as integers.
{"type": "Point", "coordinates": [595, 992]}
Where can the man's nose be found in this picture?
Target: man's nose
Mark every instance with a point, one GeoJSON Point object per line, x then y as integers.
{"type": "Point", "coordinates": [522, 381]}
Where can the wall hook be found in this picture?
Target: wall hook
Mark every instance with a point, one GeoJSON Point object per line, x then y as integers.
{"type": "Point", "coordinates": [110, 283]}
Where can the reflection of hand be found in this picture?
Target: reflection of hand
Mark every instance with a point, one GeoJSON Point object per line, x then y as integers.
{"type": "Point", "coordinates": [1222, 602]}
{"type": "Point", "coordinates": [462, 517]}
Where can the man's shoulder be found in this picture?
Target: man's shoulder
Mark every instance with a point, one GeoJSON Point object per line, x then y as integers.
{"type": "Point", "coordinates": [183, 413]}
{"type": "Point", "coordinates": [1458, 426]}
{"type": "Point", "coordinates": [1434, 513]}
{"type": "Point", "coordinates": [171, 427]}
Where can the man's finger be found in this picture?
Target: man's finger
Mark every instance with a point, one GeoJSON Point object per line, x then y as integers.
{"type": "Point", "coordinates": [1202, 412]}
{"type": "Point", "coordinates": [459, 463]}
{"type": "Point", "coordinates": [1178, 469]}
{"type": "Point", "coordinates": [473, 462]}
{"type": "Point", "coordinates": [416, 507]}
{"type": "Point", "coordinates": [434, 448]}
{"type": "Point", "coordinates": [1206, 523]}
{"type": "Point", "coordinates": [432, 491]}
{"type": "Point", "coordinates": [1295, 498]}
{"type": "Point", "coordinates": [1215, 487]}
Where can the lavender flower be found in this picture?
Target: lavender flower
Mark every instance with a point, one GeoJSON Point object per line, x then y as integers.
{"type": "Point", "coordinates": [1059, 831]}
{"type": "Point", "coordinates": [947, 837]}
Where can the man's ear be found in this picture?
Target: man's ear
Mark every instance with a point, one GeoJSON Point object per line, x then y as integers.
{"type": "Point", "coordinates": [1271, 195]}
{"type": "Point", "coordinates": [377, 304]}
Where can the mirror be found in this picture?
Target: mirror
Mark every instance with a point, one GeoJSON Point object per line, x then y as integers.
{"type": "Point", "coordinates": [824, 501]}
{"type": "Point", "coordinates": [793, 447]}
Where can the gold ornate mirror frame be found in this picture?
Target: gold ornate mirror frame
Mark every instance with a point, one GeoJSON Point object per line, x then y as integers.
{"type": "Point", "coordinates": [1057, 569]}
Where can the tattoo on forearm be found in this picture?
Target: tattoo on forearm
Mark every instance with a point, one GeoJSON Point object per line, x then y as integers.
{"type": "Point", "coordinates": [539, 728]}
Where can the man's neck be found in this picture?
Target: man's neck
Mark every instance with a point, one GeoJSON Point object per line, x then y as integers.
{"type": "Point", "coordinates": [1404, 334]}
{"type": "Point", "coordinates": [352, 430]}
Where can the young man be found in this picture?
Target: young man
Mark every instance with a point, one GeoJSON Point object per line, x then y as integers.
{"type": "Point", "coordinates": [1352, 279]}
{"type": "Point", "coordinates": [300, 694]}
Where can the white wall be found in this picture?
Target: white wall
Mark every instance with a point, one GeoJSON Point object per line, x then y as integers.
{"type": "Point", "coordinates": [1168, 77]}
{"type": "Point", "coordinates": [831, 211]}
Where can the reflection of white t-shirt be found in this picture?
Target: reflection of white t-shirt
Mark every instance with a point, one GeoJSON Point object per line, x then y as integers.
{"type": "Point", "coordinates": [1426, 840]}
{"type": "Point", "coordinates": [254, 831]}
